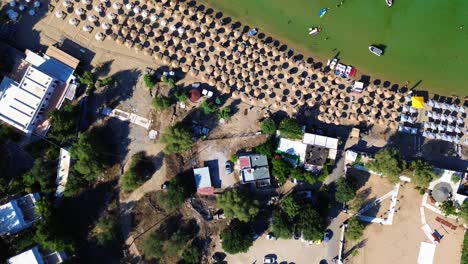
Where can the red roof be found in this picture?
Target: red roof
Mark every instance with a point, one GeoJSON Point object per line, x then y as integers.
{"type": "Point", "coordinates": [206, 191]}
{"type": "Point", "coordinates": [244, 162]}
{"type": "Point", "coordinates": [194, 95]}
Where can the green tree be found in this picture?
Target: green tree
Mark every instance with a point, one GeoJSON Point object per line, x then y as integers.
{"type": "Point", "coordinates": [388, 162]}
{"type": "Point", "coordinates": [208, 107]}
{"type": "Point", "coordinates": [280, 170]}
{"type": "Point", "coordinates": [191, 255]}
{"type": "Point", "coordinates": [181, 187]}
{"type": "Point", "coordinates": [238, 203]}
{"type": "Point", "coordinates": [177, 242]}
{"type": "Point", "coordinates": [87, 79]}
{"type": "Point", "coordinates": [161, 103]}
{"type": "Point", "coordinates": [291, 207]}
{"type": "Point", "coordinates": [290, 128]}
{"type": "Point", "coordinates": [106, 231]}
{"type": "Point", "coordinates": [280, 225]}
{"type": "Point", "coordinates": [41, 175]}
{"type": "Point", "coordinates": [8, 133]}
{"type": "Point", "coordinates": [302, 175]}
{"type": "Point", "coordinates": [464, 257]}
{"type": "Point", "coordinates": [464, 211]}
{"type": "Point", "coordinates": [181, 95]}
{"type": "Point", "coordinates": [354, 229]}
{"type": "Point", "coordinates": [86, 159]}
{"type": "Point", "coordinates": [448, 208]}
{"type": "Point", "coordinates": [237, 237]}
{"type": "Point", "coordinates": [64, 123]}
{"type": "Point", "coordinates": [311, 223]}
{"type": "Point", "coordinates": [177, 139]}
{"type": "Point", "coordinates": [268, 126]}
{"type": "Point", "coordinates": [153, 246]}
{"type": "Point", "coordinates": [345, 190]}
{"type": "Point", "coordinates": [135, 175]}
{"type": "Point", "coordinates": [107, 81]}
{"type": "Point", "coordinates": [268, 148]}
{"type": "Point", "coordinates": [171, 83]}
{"type": "Point", "coordinates": [422, 173]}
{"type": "Point", "coordinates": [225, 113]}
{"type": "Point", "coordinates": [149, 81]}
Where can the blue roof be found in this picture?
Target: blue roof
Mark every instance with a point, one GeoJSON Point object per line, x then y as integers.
{"type": "Point", "coordinates": [56, 69]}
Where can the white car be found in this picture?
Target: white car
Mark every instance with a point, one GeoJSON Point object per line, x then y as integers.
{"type": "Point", "coordinates": [269, 260]}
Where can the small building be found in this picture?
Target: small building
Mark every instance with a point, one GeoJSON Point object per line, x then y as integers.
{"type": "Point", "coordinates": [18, 214]}
{"type": "Point", "coordinates": [254, 170]}
{"type": "Point", "coordinates": [445, 188]}
{"type": "Point", "coordinates": [62, 172]}
{"type": "Point", "coordinates": [203, 181]}
{"type": "Point", "coordinates": [38, 84]}
{"type": "Point", "coordinates": [33, 256]}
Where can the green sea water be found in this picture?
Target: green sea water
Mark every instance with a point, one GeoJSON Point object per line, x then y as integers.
{"type": "Point", "coordinates": [426, 41]}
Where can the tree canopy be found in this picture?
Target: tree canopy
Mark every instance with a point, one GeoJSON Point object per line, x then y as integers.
{"type": "Point", "coordinates": [388, 162]}
{"type": "Point", "coordinates": [237, 237]}
{"type": "Point", "coordinates": [191, 255]}
{"type": "Point", "coordinates": [161, 103]}
{"type": "Point", "coordinates": [311, 223]}
{"type": "Point", "coordinates": [106, 230]}
{"type": "Point", "coordinates": [290, 128]}
{"type": "Point", "coordinates": [354, 230]}
{"type": "Point", "coordinates": [149, 81]}
{"type": "Point", "coordinates": [87, 78]}
{"type": "Point", "coordinates": [303, 175]}
{"type": "Point", "coordinates": [153, 245]}
{"type": "Point", "coordinates": [268, 148]}
{"type": "Point", "coordinates": [177, 139]}
{"type": "Point", "coordinates": [268, 126]}
{"type": "Point", "coordinates": [181, 187]}
{"type": "Point", "coordinates": [135, 175]}
{"type": "Point", "coordinates": [86, 159]}
{"type": "Point", "coordinates": [448, 208]}
{"type": "Point", "coordinates": [281, 225]}
{"type": "Point", "coordinates": [208, 107]}
{"type": "Point", "coordinates": [238, 203]}
{"type": "Point", "coordinates": [280, 169]}
{"type": "Point", "coordinates": [177, 242]}
{"type": "Point", "coordinates": [464, 211]}
{"type": "Point", "coordinates": [422, 173]}
{"type": "Point", "coordinates": [345, 190]}
{"type": "Point", "coordinates": [41, 177]}
{"type": "Point", "coordinates": [290, 207]}
{"type": "Point", "coordinates": [64, 122]}
{"type": "Point", "coordinates": [225, 113]}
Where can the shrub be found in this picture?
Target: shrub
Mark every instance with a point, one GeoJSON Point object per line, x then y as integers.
{"type": "Point", "coordinates": [268, 126]}
{"type": "Point", "coordinates": [153, 246]}
{"type": "Point", "coordinates": [448, 208]}
{"type": "Point", "coordinates": [225, 113]}
{"type": "Point", "coordinates": [107, 81]}
{"type": "Point", "coordinates": [161, 103]}
{"type": "Point", "coordinates": [135, 175]}
{"type": "Point", "coordinates": [191, 255]}
{"type": "Point", "coordinates": [149, 81]}
{"type": "Point", "coordinates": [106, 230]}
{"type": "Point", "coordinates": [208, 107]}
{"type": "Point", "coordinates": [171, 83]}
{"type": "Point", "coordinates": [280, 170]}
{"type": "Point", "coordinates": [290, 128]}
{"type": "Point", "coordinates": [181, 96]}
{"type": "Point", "coordinates": [234, 158]}
{"type": "Point", "coordinates": [87, 79]}
{"type": "Point", "coordinates": [354, 230]}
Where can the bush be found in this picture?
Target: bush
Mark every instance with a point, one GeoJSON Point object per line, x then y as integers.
{"type": "Point", "coordinates": [106, 231]}
{"type": "Point", "coordinates": [354, 230]}
{"type": "Point", "coordinates": [191, 255]}
{"type": "Point", "coordinates": [181, 96]}
{"type": "Point", "coordinates": [208, 107]}
{"type": "Point", "coordinates": [290, 128]}
{"type": "Point", "coordinates": [280, 170]}
{"type": "Point", "coordinates": [107, 81]}
{"type": "Point", "coordinates": [153, 246]}
{"type": "Point", "coordinates": [311, 223]}
{"type": "Point", "coordinates": [268, 126]}
{"type": "Point", "coordinates": [177, 242]}
{"type": "Point", "coordinates": [64, 123]}
{"type": "Point", "coordinates": [149, 81]}
{"type": "Point", "coordinates": [464, 257]}
{"type": "Point", "coordinates": [135, 175]}
{"type": "Point", "coordinates": [180, 188]}
{"type": "Point", "coordinates": [161, 103]}
{"type": "Point", "coordinates": [448, 208]}
{"type": "Point", "coordinates": [171, 83]}
{"type": "Point", "coordinates": [455, 178]}
{"type": "Point", "coordinates": [87, 79]}
{"type": "Point", "coordinates": [234, 158]}
{"type": "Point", "coordinates": [422, 173]}
{"type": "Point", "coordinates": [464, 211]}
{"type": "Point", "coordinates": [268, 148]}
{"type": "Point", "coordinates": [237, 237]}
{"type": "Point", "coordinates": [302, 175]}
{"type": "Point", "coordinates": [225, 113]}
{"type": "Point", "coordinates": [9, 133]}
{"type": "Point", "coordinates": [177, 139]}
{"type": "Point", "coordinates": [238, 203]}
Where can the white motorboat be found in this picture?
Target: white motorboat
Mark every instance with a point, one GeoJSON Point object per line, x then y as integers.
{"type": "Point", "coordinates": [375, 50]}
{"type": "Point", "coordinates": [389, 2]}
{"type": "Point", "coordinates": [333, 63]}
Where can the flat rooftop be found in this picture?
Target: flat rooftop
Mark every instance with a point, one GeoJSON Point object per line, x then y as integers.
{"type": "Point", "coordinates": [31, 256]}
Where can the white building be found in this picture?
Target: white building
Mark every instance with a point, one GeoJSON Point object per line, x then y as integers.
{"type": "Point", "coordinates": [33, 256]}
{"type": "Point", "coordinates": [38, 85]}
{"type": "Point", "coordinates": [62, 172]}
{"type": "Point", "coordinates": [18, 214]}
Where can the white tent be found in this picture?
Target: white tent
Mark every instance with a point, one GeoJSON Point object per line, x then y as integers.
{"type": "Point", "coordinates": [430, 103]}
{"type": "Point", "coordinates": [453, 107]}
{"type": "Point", "coordinates": [433, 126]}
{"type": "Point", "coordinates": [429, 114]}
{"type": "Point", "coordinates": [461, 109]}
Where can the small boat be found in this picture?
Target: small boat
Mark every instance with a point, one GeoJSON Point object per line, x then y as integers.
{"type": "Point", "coordinates": [333, 63]}
{"type": "Point", "coordinates": [375, 50]}
{"type": "Point", "coordinates": [322, 12]}
{"type": "Point", "coordinates": [389, 2]}
{"type": "Point", "coordinates": [314, 31]}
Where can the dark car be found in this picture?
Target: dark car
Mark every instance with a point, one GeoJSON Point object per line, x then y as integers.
{"type": "Point", "coordinates": [296, 235]}
{"type": "Point", "coordinates": [228, 167]}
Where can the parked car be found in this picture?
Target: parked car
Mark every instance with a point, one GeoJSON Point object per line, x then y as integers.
{"type": "Point", "coordinates": [269, 259]}
{"type": "Point", "coordinates": [270, 236]}
{"type": "Point", "coordinates": [296, 235]}
{"type": "Point", "coordinates": [327, 236]}
{"type": "Point", "coordinates": [165, 185]}
{"type": "Point", "coordinates": [228, 167]}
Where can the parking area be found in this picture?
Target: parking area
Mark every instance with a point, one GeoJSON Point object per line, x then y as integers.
{"type": "Point", "coordinates": [286, 251]}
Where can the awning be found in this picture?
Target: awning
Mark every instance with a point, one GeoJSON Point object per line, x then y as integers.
{"type": "Point", "coordinates": [417, 102]}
